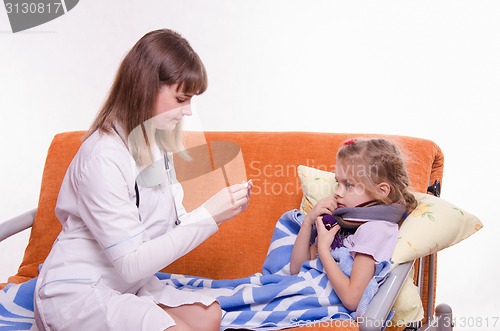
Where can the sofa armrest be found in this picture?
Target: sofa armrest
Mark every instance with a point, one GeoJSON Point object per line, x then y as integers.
{"type": "Point", "coordinates": [382, 302]}
{"type": "Point", "coordinates": [17, 224]}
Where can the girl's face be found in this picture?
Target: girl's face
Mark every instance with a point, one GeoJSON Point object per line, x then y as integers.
{"type": "Point", "coordinates": [350, 192]}
{"type": "Point", "coordinates": [171, 106]}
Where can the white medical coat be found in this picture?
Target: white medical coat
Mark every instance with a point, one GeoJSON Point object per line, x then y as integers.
{"type": "Point", "coordinates": [101, 223]}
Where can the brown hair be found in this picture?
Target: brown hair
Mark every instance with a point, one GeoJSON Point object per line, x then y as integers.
{"type": "Point", "coordinates": [380, 161]}
{"type": "Point", "coordinates": [161, 57]}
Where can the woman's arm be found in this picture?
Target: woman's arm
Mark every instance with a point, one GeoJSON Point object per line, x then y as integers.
{"type": "Point", "coordinates": [349, 290]}
{"type": "Point", "coordinates": [157, 253]}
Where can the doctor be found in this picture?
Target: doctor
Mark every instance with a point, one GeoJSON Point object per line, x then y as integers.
{"type": "Point", "coordinates": [120, 205]}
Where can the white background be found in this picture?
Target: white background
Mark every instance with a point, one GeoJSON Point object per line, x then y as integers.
{"type": "Point", "coordinates": [428, 69]}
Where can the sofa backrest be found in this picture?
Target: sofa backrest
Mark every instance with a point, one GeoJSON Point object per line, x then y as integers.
{"type": "Point", "coordinates": [270, 159]}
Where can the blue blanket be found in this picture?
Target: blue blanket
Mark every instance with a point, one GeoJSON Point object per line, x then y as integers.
{"type": "Point", "coordinates": [16, 306]}
{"type": "Point", "coordinates": [273, 299]}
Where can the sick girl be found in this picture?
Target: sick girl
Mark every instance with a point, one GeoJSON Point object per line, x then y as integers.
{"type": "Point", "coordinates": [372, 196]}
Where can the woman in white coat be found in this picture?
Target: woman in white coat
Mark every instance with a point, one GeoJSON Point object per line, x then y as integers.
{"type": "Point", "coordinates": [121, 213]}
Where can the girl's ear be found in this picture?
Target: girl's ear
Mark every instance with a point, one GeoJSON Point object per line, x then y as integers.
{"type": "Point", "coordinates": [384, 189]}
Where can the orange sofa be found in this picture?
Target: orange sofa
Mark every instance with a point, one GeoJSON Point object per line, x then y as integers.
{"type": "Point", "coordinates": [239, 247]}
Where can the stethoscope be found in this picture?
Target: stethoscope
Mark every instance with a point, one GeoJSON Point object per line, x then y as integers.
{"type": "Point", "coordinates": [154, 175]}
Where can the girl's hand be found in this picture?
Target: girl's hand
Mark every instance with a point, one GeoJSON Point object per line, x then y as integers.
{"type": "Point", "coordinates": [324, 206]}
{"type": "Point", "coordinates": [325, 236]}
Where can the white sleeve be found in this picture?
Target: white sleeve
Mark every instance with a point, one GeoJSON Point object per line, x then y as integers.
{"type": "Point", "coordinates": [155, 254]}
{"type": "Point", "coordinates": [105, 204]}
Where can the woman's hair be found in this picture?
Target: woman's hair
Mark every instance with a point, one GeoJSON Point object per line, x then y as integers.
{"type": "Point", "coordinates": [377, 160]}
{"type": "Point", "coordinates": [161, 57]}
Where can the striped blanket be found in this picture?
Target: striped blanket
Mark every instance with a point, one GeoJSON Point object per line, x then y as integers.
{"type": "Point", "coordinates": [270, 300]}
{"type": "Point", "coordinates": [274, 299]}
{"type": "Point", "coordinates": [16, 306]}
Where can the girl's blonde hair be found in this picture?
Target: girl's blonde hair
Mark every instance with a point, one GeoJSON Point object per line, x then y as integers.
{"type": "Point", "coordinates": [377, 160]}
{"type": "Point", "coordinates": [161, 57]}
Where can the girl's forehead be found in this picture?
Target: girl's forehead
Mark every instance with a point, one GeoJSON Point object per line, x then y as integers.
{"type": "Point", "coordinates": [351, 169]}
{"type": "Point", "coordinates": [345, 165]}
{"type": "Point", "coordinates": [341, 173]}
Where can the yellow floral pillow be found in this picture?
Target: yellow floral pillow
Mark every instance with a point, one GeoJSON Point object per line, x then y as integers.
{"type": "Point", "coordinates": [316, 185]}
{"type": "Point", "coordinates": [408, 306]}
{"type": "Point", "coordinates": [434, 225]}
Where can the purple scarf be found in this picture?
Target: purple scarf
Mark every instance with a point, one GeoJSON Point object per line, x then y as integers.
{"type": "Point", "coordinates": [349, 218]}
